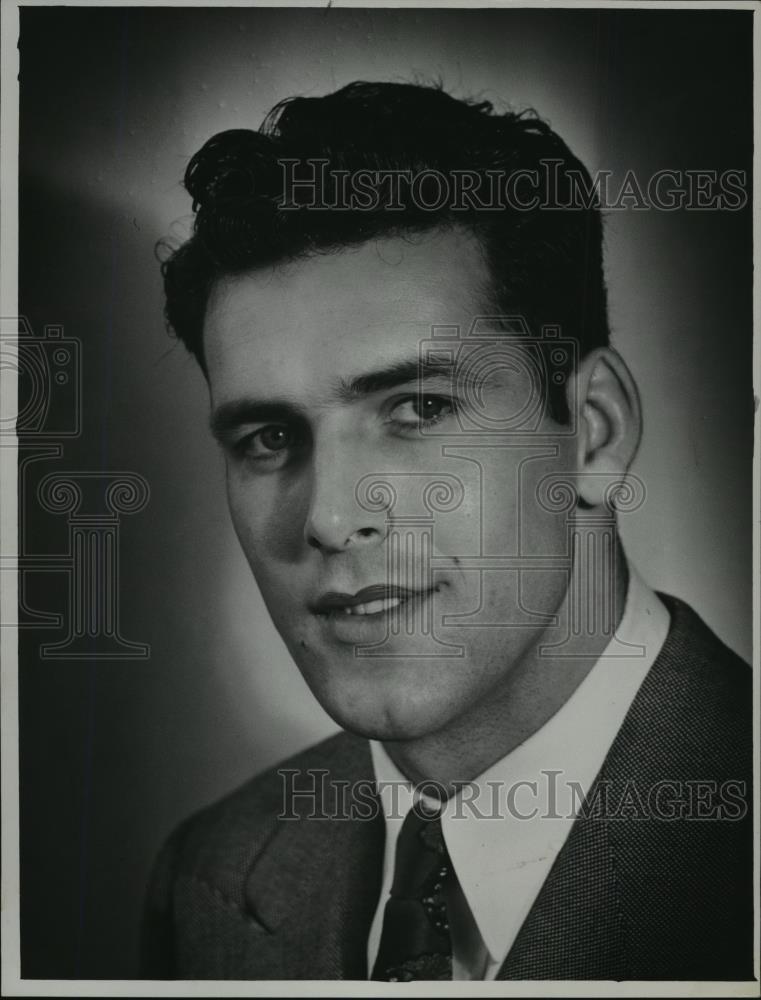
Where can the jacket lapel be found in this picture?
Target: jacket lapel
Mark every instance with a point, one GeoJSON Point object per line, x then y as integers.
{"type": "Point", "coordinates": [574, 929]}
{"type": "Point", "coordinates": [316, 885]}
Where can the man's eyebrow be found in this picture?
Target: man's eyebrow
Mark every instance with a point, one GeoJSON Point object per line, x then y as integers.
{"type": "Point", "coordinates": [228, 416]}
{"type": "Point", "coordinates": [398, 373]}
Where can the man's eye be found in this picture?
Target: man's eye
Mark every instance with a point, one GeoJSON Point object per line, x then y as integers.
{"type": "Point", "coordinates": [267, 443]}
{"type": "Point", "coordinates": [274, 438]}
{"type": "Point", "coordinates": [422, 411]}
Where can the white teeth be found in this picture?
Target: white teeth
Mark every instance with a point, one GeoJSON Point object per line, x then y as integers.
{"type": "Point", "coordinates": [373, 607]}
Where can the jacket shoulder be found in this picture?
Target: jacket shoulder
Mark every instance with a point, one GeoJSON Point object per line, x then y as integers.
{"type": "Point", "coordinates": [211, 852]}
{"type": "Point", "coordinates": [696, 702]}
{"type": "Point", "coordinates": [237, 827]}
{"type": "Point", "coordinates": [679, 816]}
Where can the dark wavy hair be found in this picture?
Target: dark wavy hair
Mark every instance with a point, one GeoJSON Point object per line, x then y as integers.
{"type": "Point", "coordinates": [545, 264]}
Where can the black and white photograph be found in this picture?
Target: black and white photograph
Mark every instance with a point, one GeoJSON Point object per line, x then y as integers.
{"type": "Point", "coordinates": [379, 500]}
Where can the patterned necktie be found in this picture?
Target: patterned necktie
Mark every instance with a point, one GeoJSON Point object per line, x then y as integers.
{"type": "Point", "coordinates": [415, 941]}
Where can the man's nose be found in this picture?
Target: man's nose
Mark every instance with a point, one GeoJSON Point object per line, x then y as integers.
{"type": "Point", "coordinates": [336, 520]}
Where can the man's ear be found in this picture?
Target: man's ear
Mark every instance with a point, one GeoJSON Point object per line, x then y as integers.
{"type": "Point", "coordinates": [609, 422]}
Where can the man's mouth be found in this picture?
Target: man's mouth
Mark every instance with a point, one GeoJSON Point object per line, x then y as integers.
{"type": "Point", "coordinates": [374, 600]}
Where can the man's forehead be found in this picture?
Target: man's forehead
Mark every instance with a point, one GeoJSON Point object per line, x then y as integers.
{"type": "Point", "coordinates": [391, 290]}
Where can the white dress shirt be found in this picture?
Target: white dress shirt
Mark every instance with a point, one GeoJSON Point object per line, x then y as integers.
{"type": "Point", "coordinates": [527, 801]}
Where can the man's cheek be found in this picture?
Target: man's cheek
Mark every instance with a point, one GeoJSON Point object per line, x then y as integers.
{"type": "Point", "coordinates": [455, 505]}
{"type": "Point", "coordinates": [265, 525]}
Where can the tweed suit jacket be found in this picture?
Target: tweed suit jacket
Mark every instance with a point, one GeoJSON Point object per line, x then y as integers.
{"type": "Point", "coordinates": [237, 893]}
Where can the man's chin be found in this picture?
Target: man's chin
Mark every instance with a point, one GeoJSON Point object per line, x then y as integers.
{"type": "Point", "coordinates": [392, 720]}
{"type": "Point", "coordinates": [405, 697]}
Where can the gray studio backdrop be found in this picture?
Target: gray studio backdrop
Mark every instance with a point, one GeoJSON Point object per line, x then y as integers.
{"type": "Point", "coordinates": [113, 104]}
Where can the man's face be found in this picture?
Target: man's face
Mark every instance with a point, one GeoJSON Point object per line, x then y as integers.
{"type": "Point", "coordinates": [335, 442]}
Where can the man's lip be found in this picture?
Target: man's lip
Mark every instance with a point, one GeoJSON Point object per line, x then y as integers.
{"type": "Point", "coordinates": [334, 600]}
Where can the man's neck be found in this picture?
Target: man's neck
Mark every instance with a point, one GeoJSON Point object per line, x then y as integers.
{"type": "Point", "coordinates": [538, 686]}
